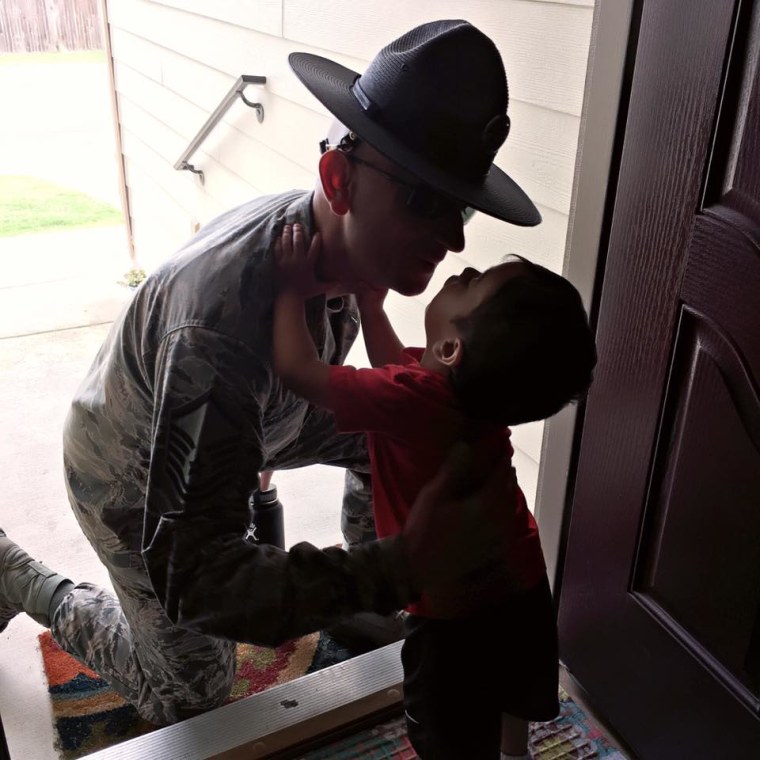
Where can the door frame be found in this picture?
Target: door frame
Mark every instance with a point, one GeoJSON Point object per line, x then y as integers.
{"type": "Point", "coordinates": [593, 184]}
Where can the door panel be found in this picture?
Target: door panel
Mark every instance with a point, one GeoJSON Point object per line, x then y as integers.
{"type": "Point", "coordinates": [660, 595]}
{"type": "Point", "coordinates": [695, 566]}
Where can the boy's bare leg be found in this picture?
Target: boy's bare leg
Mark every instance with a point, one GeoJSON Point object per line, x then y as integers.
{"type": "Point", "coordinates": [514, 737]}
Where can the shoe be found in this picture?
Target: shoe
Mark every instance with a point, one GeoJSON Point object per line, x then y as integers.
{"type": "Point", "coordinates": [25, 585]}
{"type": "Point", "coordinates": [366, 631]}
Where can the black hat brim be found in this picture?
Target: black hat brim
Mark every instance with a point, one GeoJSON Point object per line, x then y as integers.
{"type": "Point", "coordinates": [497, 194]}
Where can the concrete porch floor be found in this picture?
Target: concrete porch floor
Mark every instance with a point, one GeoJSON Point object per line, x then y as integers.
{"type": "Point", "coordinates": [59, 294]}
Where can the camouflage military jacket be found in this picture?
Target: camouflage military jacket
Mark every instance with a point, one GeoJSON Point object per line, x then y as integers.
{"type": "Point", "coordinates": [174, 420]}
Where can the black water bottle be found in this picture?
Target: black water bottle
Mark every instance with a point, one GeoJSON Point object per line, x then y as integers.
{"type": "Point", "coordinates": [266, 519]}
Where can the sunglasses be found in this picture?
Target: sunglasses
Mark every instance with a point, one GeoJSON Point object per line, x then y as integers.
{"type": "Point", "coordinates": [421, 199]}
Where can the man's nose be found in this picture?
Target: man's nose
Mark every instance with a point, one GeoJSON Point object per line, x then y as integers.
{"type": "Point", "coordinates": [450, 231]}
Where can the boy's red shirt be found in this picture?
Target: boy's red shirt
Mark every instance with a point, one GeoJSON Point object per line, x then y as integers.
{"type": "Point", "coordinates": [412, 419]}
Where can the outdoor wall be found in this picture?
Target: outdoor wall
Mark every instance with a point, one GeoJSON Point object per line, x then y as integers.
{"type": "Point", "coordinates": [174, 60]}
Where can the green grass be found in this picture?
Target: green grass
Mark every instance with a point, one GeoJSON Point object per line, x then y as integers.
{"type": "Point", "coordinates": [29, 204]}
{"type": "Point", "coordinates": [75, 56]}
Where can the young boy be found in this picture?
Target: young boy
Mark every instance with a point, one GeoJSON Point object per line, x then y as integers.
{"type": "Point", "coordinates": [503, 347]}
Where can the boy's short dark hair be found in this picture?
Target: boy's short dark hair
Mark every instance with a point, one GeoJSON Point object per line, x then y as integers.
{"type": "Point", "coordinates": [528, 350]}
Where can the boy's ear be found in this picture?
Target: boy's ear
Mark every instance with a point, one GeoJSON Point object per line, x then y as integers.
{"type": "Point", "coordinates": [335, 175]}
{"type": "Point", "coordinates": [449, 351]}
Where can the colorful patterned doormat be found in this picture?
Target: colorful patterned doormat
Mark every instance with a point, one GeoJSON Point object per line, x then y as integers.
{"type": "Point", "coordinates": [89, 716]}
{"type": "Point", "coordinates": [570, 736]}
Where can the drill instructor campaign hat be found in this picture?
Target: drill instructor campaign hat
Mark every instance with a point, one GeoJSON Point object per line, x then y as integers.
{"type": "Point", "coordinates": [434, 102]}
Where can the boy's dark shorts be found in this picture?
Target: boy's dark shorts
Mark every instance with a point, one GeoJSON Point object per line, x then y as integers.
{"type": "Point", "coordinates": [461, 675]}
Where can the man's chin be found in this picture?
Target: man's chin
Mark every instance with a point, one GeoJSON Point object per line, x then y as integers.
{"type": "Point", "coordinates": [408, 291]}
{"type": "Point", "coordinates": [412, 285]}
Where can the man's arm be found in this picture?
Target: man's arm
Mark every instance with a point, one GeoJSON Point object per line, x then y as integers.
{"type": "Point", "coordinates": [380, 339]}
{"type": "Point", "coordinates": [296, 359]}
{"type": "Point", "coordinates": [206, 451]}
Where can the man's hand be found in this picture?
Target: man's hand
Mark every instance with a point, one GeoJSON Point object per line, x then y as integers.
{"type": "Point", "coordinates": [457, 526]}
{"type": "Point", "coordinates": [295, 266]}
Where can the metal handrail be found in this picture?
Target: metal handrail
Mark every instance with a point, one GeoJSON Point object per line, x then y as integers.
{"type": "Point", "coordinates": [237, 90]}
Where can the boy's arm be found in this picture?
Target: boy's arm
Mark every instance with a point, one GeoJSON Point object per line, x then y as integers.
{"type": "Point", "coordinates": [380, 339]}
{"type": "Point", "coordinates": [296, 360]}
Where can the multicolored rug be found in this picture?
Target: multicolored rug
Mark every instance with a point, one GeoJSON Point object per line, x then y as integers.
{"type": "Point", "coordinates": [570, 736]}
{"type": "Point", "coordinates": [89, 716]}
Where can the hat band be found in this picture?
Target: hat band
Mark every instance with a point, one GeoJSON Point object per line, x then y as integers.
{"type": "Point", "coordinates": [364, 100]}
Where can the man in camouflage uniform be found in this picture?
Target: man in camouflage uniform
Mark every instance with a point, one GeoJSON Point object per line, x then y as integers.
{"type": "Point", "coordinates": [181, 411]}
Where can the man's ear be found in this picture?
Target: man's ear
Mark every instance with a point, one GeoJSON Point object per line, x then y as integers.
{"type": "Point", "coordinates": [335, 175]}
{"type": "Point", "coordinates": [449, 351]}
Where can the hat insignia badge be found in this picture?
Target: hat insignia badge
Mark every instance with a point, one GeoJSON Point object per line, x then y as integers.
{"type": "Point", "coordinates": [495, 133]}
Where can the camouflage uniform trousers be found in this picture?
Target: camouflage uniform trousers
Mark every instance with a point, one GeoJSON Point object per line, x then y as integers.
{"type": "Point", "coordinates": [170, 673]}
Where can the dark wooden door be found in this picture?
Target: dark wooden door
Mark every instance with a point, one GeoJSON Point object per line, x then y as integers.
{"type": "Point", "coordinates": [660, 594]}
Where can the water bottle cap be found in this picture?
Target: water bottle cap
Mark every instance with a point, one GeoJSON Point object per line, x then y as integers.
{"type": "Point", "coordinates": [265, 497]}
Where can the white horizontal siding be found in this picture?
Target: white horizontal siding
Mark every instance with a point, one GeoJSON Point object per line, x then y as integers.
{"type": "Point", "coordinates": [145, 162]}
{"type": "Point", "coordinates": [233, 147]}
{"type": "Point", "coordinates": [175, 78]}
{"type": "Point", "coordinates": [259, 15]}
{"type": "Point", "coordinates": [223, 188]}
{"type": "Point", "coordinates": [548, 41]}
{"type": "Point", "coordinates": [544, 46]}
{"type": "Point", "coordinates": [159, 223]}
{"type": "Point", "coordinates": [176, 59]}
{"type": "Point", "coordinates": [136, 52]}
